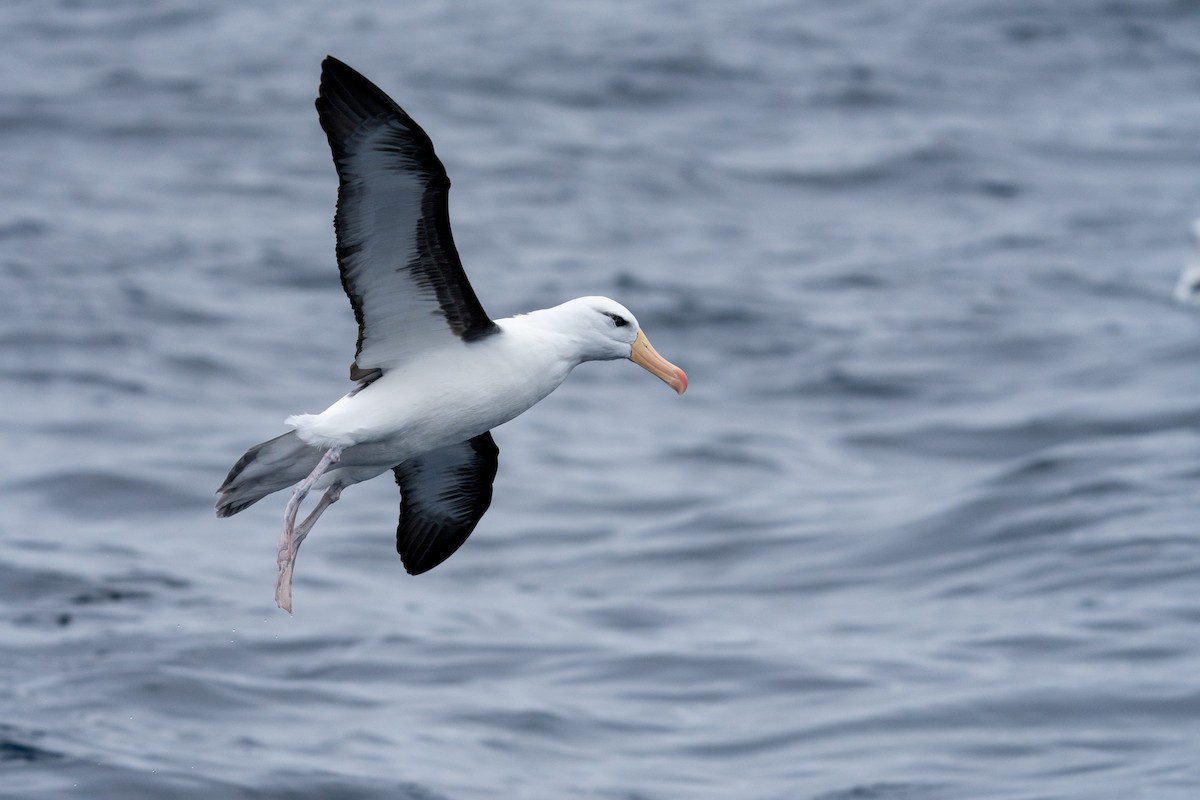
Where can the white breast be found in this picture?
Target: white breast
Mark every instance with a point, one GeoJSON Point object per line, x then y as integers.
{"type": "Point", "coordinates": [447, 396]}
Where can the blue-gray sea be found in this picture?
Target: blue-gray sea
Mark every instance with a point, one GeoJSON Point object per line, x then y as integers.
{"type": "Point", "coordinates": [926, 525]}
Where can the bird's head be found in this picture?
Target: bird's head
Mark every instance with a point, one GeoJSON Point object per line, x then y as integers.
{"type": "Point", "coordinates": [606, 330]}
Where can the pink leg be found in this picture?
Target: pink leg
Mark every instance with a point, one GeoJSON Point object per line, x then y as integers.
{"type": "Point", "coordinates": [331, 496]}
{"type": "Point", "coordinates": [287, 563]}
{"type": "Point", "coordinates": [290, 538]}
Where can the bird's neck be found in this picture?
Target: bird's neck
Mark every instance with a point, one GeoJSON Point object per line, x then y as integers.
{"type": "Point", "coordinates": [554, 332]}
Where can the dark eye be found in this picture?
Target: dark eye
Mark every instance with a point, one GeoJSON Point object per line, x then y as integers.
{"type": "Point", "coordinates": [620, 322]}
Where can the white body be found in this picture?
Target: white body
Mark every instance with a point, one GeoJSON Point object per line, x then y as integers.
{"type": "Point", "coordinates": [446, 395]}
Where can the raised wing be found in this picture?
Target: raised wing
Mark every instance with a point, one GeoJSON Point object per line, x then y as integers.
{"type": "Point", "coordinates": [443, 495]}
{"type": "Point", "coordinates": [395, 251]}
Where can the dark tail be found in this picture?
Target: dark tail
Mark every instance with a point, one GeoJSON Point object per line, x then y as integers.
{"type": "Point", "coordinates": [264, 469]}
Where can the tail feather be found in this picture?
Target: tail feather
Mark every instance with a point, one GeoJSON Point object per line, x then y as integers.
{"type": "Point", "coordinates": [264, 469]}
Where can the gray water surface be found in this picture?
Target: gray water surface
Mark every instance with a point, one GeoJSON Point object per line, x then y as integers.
{"type": "Point", "coordinates": [924, 526]}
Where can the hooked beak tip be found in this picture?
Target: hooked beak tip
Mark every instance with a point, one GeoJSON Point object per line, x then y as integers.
{"type": "Point", "coordinates": [680, 383]}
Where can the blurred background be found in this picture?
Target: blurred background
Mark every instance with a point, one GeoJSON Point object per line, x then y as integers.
{"type": "Point", "coordinates": [924, 526]}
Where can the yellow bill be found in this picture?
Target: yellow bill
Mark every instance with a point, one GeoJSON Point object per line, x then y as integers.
{"type": "Point", "coordinates": [648, 359]}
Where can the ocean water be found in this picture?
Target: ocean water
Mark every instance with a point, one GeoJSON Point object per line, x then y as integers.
{"type": "Point", "coordinates": [924, 526]}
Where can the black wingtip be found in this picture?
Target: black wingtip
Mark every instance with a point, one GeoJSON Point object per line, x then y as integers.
{"type": "Point", "coordinates": [346, 99]}
{"type": "Point", "coordinates": [418, 569]}
{"type": "Point", "coordinates": [331, 67]}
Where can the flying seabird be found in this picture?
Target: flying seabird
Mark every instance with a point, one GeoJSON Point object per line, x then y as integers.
{"type": "Point", "coordinates": [434, 373]}
{"type": "Point", "coordinates": [1187, 289]}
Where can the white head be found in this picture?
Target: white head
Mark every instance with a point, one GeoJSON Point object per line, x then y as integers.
{"type": "Point", "coordinates": [604, 330]}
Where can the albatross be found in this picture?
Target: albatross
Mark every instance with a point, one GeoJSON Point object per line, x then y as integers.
{"type": "Point", "coordinates": [434, 373]}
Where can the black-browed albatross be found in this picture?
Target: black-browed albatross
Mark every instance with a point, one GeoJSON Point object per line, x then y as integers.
{"type": "Point", "coordinates": [434, 373]}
